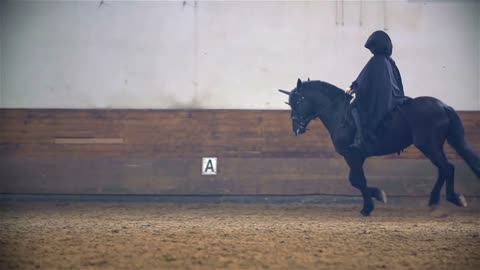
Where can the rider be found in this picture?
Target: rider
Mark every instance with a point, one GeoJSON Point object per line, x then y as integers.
{"type": "Point", "coordinates": [378, 89]}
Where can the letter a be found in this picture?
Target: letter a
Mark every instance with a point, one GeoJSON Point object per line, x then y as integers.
{"type": "Point", "coordinates": [209, 166]}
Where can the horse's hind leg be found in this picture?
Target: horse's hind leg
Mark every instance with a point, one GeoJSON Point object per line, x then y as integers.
{"type": "Point", "coordinates": [446, 172]}
{"type": "Point", "coordinates": [435, 194]}
{"type": "Point", "coordinates": [452, 196]}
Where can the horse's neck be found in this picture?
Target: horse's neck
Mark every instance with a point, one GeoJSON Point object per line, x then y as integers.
{"type": "Point", "coordinates": [333, 117]}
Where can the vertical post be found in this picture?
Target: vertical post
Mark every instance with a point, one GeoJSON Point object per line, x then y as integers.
{"type": "Point", "coordinates": [336, 12]}
{"type": "Point", "coordinates": [360, 21]}
{"type": "Point", "coordinates": [385, 27]}
{"type": "Point", "coordinates": [343, 13]}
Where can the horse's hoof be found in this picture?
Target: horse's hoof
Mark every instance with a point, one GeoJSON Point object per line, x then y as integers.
{"type": "Point", "coordinates": [458, 200]}
{"type": "Point", "coordinates": [383, 197]}
{"type": "Point", "coordinates": [433, 203]}
{"type": "Point", "coordinates": [365, 213]}
{"type": "Point", "coordinates": [433, 206]}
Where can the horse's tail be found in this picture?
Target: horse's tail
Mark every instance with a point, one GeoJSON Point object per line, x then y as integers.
{"type": "Point", "coordinates": [456, 138]}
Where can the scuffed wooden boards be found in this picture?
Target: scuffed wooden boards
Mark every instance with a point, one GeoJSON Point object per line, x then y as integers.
{"type": "Point", "coordinates": [159, 152]}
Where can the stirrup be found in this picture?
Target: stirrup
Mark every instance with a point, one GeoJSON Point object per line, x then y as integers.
{"type": "Point", "coordinates": [357, 143]}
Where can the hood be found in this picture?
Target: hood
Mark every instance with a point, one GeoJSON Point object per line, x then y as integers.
{"type": "Point", "coordinates": [379, 43]}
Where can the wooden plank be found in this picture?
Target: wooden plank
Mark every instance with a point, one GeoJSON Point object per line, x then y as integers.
{"type": "Point", "coordinates": [88, 140]}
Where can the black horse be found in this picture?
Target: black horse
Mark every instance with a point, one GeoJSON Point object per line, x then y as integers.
{"type": "Point", "coordinates": [425, 122]}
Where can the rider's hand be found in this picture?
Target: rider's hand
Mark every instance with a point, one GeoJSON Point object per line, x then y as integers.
{"type": "Point", "coordinates": [349, 90]}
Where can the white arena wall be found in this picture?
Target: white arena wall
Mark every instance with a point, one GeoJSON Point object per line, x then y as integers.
{"type": "Point", "coordinates": [225, 54]}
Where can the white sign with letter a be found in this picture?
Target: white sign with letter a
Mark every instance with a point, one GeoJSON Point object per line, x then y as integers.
{"type": "Point", "coordinates": [209, 166]}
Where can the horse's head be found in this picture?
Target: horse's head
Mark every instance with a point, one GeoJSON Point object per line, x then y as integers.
{"type": "Point", "coordinates": [303, 109]}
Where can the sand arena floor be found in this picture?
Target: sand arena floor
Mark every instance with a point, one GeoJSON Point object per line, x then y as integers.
{"type": "Point", "coordinates": [234, 236]}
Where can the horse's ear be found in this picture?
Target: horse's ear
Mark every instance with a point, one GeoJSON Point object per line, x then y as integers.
{"type": "Point", "coordinates": [299, 83]}
{"type": "Point", "coordinates": [308, 78]}
{"type": "Point", "coordinates": [285, 92]}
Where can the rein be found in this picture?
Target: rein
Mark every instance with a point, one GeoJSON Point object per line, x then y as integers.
{"type": "Point", "coordinates": [345, 105]}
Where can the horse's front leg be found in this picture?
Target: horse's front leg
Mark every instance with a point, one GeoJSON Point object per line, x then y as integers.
{"type": "Point", "coordinates": [358, 180]}
{"type": "Point", "coordinates": [360, 183]}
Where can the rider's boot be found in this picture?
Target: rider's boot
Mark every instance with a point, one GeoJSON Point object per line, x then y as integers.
{"type": "Point", "coordinates": [358, 141]}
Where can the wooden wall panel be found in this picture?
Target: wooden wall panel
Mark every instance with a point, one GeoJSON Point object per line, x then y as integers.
{"type": "Point", "coordinates": [236, 176]}
{"type": "Point", "coordinates": [159, 151]}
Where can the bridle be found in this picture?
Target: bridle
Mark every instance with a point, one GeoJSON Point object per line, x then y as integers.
{"type": "Point", "coordinates": [303, 121]}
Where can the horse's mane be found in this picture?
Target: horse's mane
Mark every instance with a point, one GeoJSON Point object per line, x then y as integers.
{"type": "Point", "coordinates": [328, 89]}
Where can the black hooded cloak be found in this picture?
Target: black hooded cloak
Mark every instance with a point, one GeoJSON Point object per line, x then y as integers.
{"type": "Point", "coordinates": [379, 87]}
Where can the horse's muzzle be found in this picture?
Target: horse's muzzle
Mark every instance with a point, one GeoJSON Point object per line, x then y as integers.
{"type": "Point", "coordinates": [299, 131]}
{"type": "Point", "coordinates": [299, 126]}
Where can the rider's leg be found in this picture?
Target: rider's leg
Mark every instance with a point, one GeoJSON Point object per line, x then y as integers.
{"type": "Point", "coordinates": [358, 141]}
